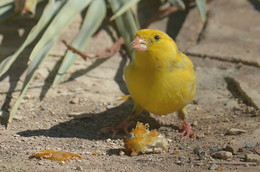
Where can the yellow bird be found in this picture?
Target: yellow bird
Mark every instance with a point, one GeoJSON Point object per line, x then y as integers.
{"type": "Point", "coordinates": [160, 79]}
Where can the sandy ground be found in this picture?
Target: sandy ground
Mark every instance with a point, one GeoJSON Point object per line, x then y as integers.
{"type": "Point", "coordinates": [226, 56]}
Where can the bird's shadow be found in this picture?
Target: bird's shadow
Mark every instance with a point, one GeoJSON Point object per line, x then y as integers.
{"type": "Point", "coordinates": [89, 127]}
{"type": "Point", "coordinates": [111, 152]}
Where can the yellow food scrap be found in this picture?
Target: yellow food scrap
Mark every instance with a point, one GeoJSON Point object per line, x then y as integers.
{"type": "Point", "coordinates": [55, 155]}
{"type": "Point", "coordinates": [141, 140]}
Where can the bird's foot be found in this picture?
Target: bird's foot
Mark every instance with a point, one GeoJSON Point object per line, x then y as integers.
{"type": "Point", "coordinates": [186, 130]}
{"type": "Point", "coordinates": [122, 127]}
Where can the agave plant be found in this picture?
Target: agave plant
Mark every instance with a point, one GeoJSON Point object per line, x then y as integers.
{"type": "Point", "coordinates": [57, 15]}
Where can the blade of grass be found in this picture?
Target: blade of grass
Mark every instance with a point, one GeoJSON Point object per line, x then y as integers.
{"type": "Point", "coordinates": [6, 10]}
{"type": "Point", "coordinates": [93, 19]}
{"type": "Point", "coordinates": [178, 3]}
{"type": "Point", "coordinates": [201, 5]}
{"type": "Point", "coordinates": [124, 8]}
{"type": "Point", "coordinates": [30, 75]}
{"type": "Point", "coordinates": [63, 18]}
{"type": "Point", "coordinates": [50, 10]}
{"type": "Point", "coordinates": [44, 45]}
{"type": "Point", "coordinates": [126, 24]}
{"type": "Point", "coordinates": [5, 2]}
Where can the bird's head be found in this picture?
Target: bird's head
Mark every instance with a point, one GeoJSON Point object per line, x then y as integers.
{"type": "Point", "coordinates": [154, 42]}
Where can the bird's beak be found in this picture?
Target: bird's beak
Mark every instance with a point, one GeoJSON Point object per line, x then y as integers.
{"type": "Point", "coordinates": [139, 44]}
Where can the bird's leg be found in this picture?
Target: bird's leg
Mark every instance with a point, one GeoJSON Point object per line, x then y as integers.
{"type": "Point", "coordinates": [185, 125]}
{"type": "Point", "coordinates": [124, 125]}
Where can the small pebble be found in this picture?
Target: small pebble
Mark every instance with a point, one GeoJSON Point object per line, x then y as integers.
{"type": "Point", "coordinates": [182, 147]}
{"type": "Point", "coordinates": [239, 65]}
{"type": "Point", "coordinates": [197, 150]}
{"type": "Point", "coordinates": [222, 155]}
{"type": "Point", "coordinates": [169, 140]}
{"type": "Point", "coordinates": [231, 149]}
{"type": "Point", "coordinates": [194, 124]}
{"type": "Point", "coordinates": [75, 100]}
{"type": "Point", "coordinates": [121, 153]}
{"type": "Point", "coordinates": [225, 120]}
{"type": "Point", "coordinates": [249, 145]}
{"type": "Point", "coordinates": [40, 162]}
{"type": "Point", "coordinates": [246, 165]}
{"type": "Point", "coordinates": [235, 131]}
{"type": "Point", "coordinates": [110, 106]}
{"type": "Point", "coordinates": [198, 164]}
{"type": "Point", "coordinates": [240, 150]}
{"type": "Point", "coordinates": [178, 162]}
{"type": "Point", "coordinates": [190, 160]}
{"type": "Point", "coordinates": [203, 155]}
{"type": "Point", "coordinates": [249, 109]}
{"type": "Point", "coordinates": [200, 135]}
{"type": "Point", "coordinates": [252, 158]}
{"type": "Point", "coordinates": [213, 167]}
{"type": "Point", "coordinates": [79, 168]}
{"type": "Point", "coordinates": [214, 149]}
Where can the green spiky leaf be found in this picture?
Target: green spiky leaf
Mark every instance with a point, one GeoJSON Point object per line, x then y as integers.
{"type": "Point", "coordinates": [178, 3]}
{"type": "Point", "coordinates": [93, 19]}
{"type": "Point", "coordinates": [6, 9]}
{"type": "Point", "coordinates": [201, 5]}
{"type": "Point", "coordinates": [49, 38]}
{"type": "Point", "coordinates": [124, 8]}
{"type": "Point", "coordinates": [126, 24]}
{"type": "Point", "coordinates": [48, 13]}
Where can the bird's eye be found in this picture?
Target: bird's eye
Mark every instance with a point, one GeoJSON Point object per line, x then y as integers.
{"type": "Point", "coordinates": [156, 37]}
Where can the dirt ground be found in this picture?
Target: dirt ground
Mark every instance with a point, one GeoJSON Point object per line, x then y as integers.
{"type": "Point", "coordinates": [226, 55]}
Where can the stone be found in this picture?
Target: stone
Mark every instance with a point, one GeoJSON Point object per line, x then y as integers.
{"type": "Point", "coordinates": [194, 124]}
{"type": "Point", "coordinates": [79, 168]}
{"type": "Point", "coordinates": [75, 100]}
{"type": "Point", "coordinates": [121, 153]}
{"type": "Point", "coordinates": [235, 131]}
{"type": "Point", "coordinates": [252, 158]}
{"type": "Point", "coordinates": [203, 155]}
{"type": "Point", "coordinates": [222, 155]}
{"type": "Point", "coordinates": [231, 149]}
{"type": "Point", "coordinates": [200, 135]}
{"type": "Point", "coordinates": [197, 150]}
{"type": "Point", "coordinates": [238, 41]}
{"type": "Point", "coordinates": [249, 145]}
{"type": "Point", "coordinates": [240, 150]}
{"type": "Point", "coordinates": [248, 90]}
{"type": "Point", "coordinates": [182, 147]}
{"type": "Point", "coordinates": [214, 149]}
{"type": "Point", "coordinates": [213, 167]}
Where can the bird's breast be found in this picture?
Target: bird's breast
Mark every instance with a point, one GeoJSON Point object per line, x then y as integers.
{"type": "Point", "coordinates": [158, 92]}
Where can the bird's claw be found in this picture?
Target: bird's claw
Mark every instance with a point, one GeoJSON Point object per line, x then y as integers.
{"type": "Point", "coordinates": [187, 132]}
